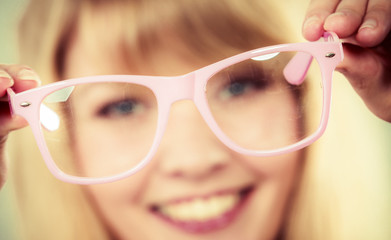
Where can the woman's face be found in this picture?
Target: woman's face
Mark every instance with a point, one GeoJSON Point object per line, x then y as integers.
{"type": "Point", "coordinates": [194, 187]}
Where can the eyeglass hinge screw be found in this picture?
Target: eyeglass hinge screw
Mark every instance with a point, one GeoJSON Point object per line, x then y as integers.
{"type": "Point", "coordinates": [330, 55]}
{"type": "Point", "coordinates": [25, 104]}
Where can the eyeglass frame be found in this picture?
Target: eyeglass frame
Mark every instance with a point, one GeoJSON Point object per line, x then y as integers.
{"type": "Point", "coordinates": [191, 86]}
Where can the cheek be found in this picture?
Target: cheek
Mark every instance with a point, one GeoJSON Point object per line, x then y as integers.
{"type": "Point", "coordinates": [277, 168]}
{"type": "Point", "coordinates": [277, 180]}
{"type": "Point", "coordinates": [278, 175]}
{"type": "Point", "coordinates": [107, 151]}
{"type": "Point", "coordinates": [265, 123]}
{"type": "Point", "coordinates": [114, 194]}
{"type": "Point", "coordinates": [120, 205]}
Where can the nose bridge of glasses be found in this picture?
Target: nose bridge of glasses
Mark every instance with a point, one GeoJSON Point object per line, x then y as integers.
{"type": "Point", "coordinates": [180, 88]}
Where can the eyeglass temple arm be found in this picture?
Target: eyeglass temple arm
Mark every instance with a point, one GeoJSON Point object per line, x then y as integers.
{"type": "Point", "coordinates": [296, 69]}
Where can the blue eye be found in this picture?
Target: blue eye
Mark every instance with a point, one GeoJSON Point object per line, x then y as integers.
{"type": "Point", "coordinates": [240, 86]}
{"type": "Point", "coordinates": [120, 108]}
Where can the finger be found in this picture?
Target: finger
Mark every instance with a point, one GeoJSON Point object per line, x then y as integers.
{"type": "Point", "coordinates": [377, 23]}
{"type": "Point", "coordinates": [347, 18]}
{"type": "Point", "coordinates": [6, 81]}
{"type": "Point", "coordinates": [361, 66]}
{"type": "Point", "coordinates": [24, 77]}
{"type": "Point", "coordinates": [20, 78]}
{"type": "Point", "coordinates": [370, 78]}
{"type": "Point", "coordinates": [10, 123]}
{"type": "Point", "coordinates": [317, 12]}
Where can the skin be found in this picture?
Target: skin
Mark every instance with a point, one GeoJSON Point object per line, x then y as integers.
{"type": "Point", "coordinates": [20, 78]}
{"type": "Point", "coordinates": [364, 66]}
{"type": "Point", "coordinates": [182, 168]}
{"type": "Point", "coordinates": [365, 28]}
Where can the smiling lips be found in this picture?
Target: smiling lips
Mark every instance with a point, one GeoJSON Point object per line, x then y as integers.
{"type": "Point", "coordinates": [203, 214]}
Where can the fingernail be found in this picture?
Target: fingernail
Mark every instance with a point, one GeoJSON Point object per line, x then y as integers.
{"type": "Point", "coordinates": [6, 78]}
{"type": "Point", "coordinates": [3, 74]}
{"type": "Point", "coordinates": [26, 74]}
{"type": "Point", "coordinates": [311, 21]}
{"type": "Point", "coordinates": [369, 23]}
{"type": "Point", "coordinates": [342, 14]}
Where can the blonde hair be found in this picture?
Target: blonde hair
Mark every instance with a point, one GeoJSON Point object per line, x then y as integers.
{"type": "Point", "coordinates": [327, 196]}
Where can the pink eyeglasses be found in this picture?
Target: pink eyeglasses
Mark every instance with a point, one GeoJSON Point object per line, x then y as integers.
{"type": "Point", "coordinates": [264, 102]}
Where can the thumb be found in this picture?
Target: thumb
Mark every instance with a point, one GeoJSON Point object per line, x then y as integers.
{"type": "Point", "coordinates": [369, 75]}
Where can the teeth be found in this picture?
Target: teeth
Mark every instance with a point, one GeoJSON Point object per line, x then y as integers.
{"type": "Point", "coordinates": [200, 209]}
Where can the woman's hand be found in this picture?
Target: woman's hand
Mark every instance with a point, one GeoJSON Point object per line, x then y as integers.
{"type": "Point", "coordinates": [364, 26]}
{"type": "Point", "coordinates": [20, 78]}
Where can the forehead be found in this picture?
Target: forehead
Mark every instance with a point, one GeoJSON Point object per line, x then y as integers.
{"type": "Point", "coordinates": [120, 39]}
{"type": "Point", "coordinates": [96, 51]}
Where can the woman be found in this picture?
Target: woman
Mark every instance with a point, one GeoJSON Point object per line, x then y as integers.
{"type": "Point", "coordinates": [190, 174]}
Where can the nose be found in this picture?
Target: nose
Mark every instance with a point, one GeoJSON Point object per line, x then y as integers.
{"type": "Point", "coordinates": [189, 149]}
